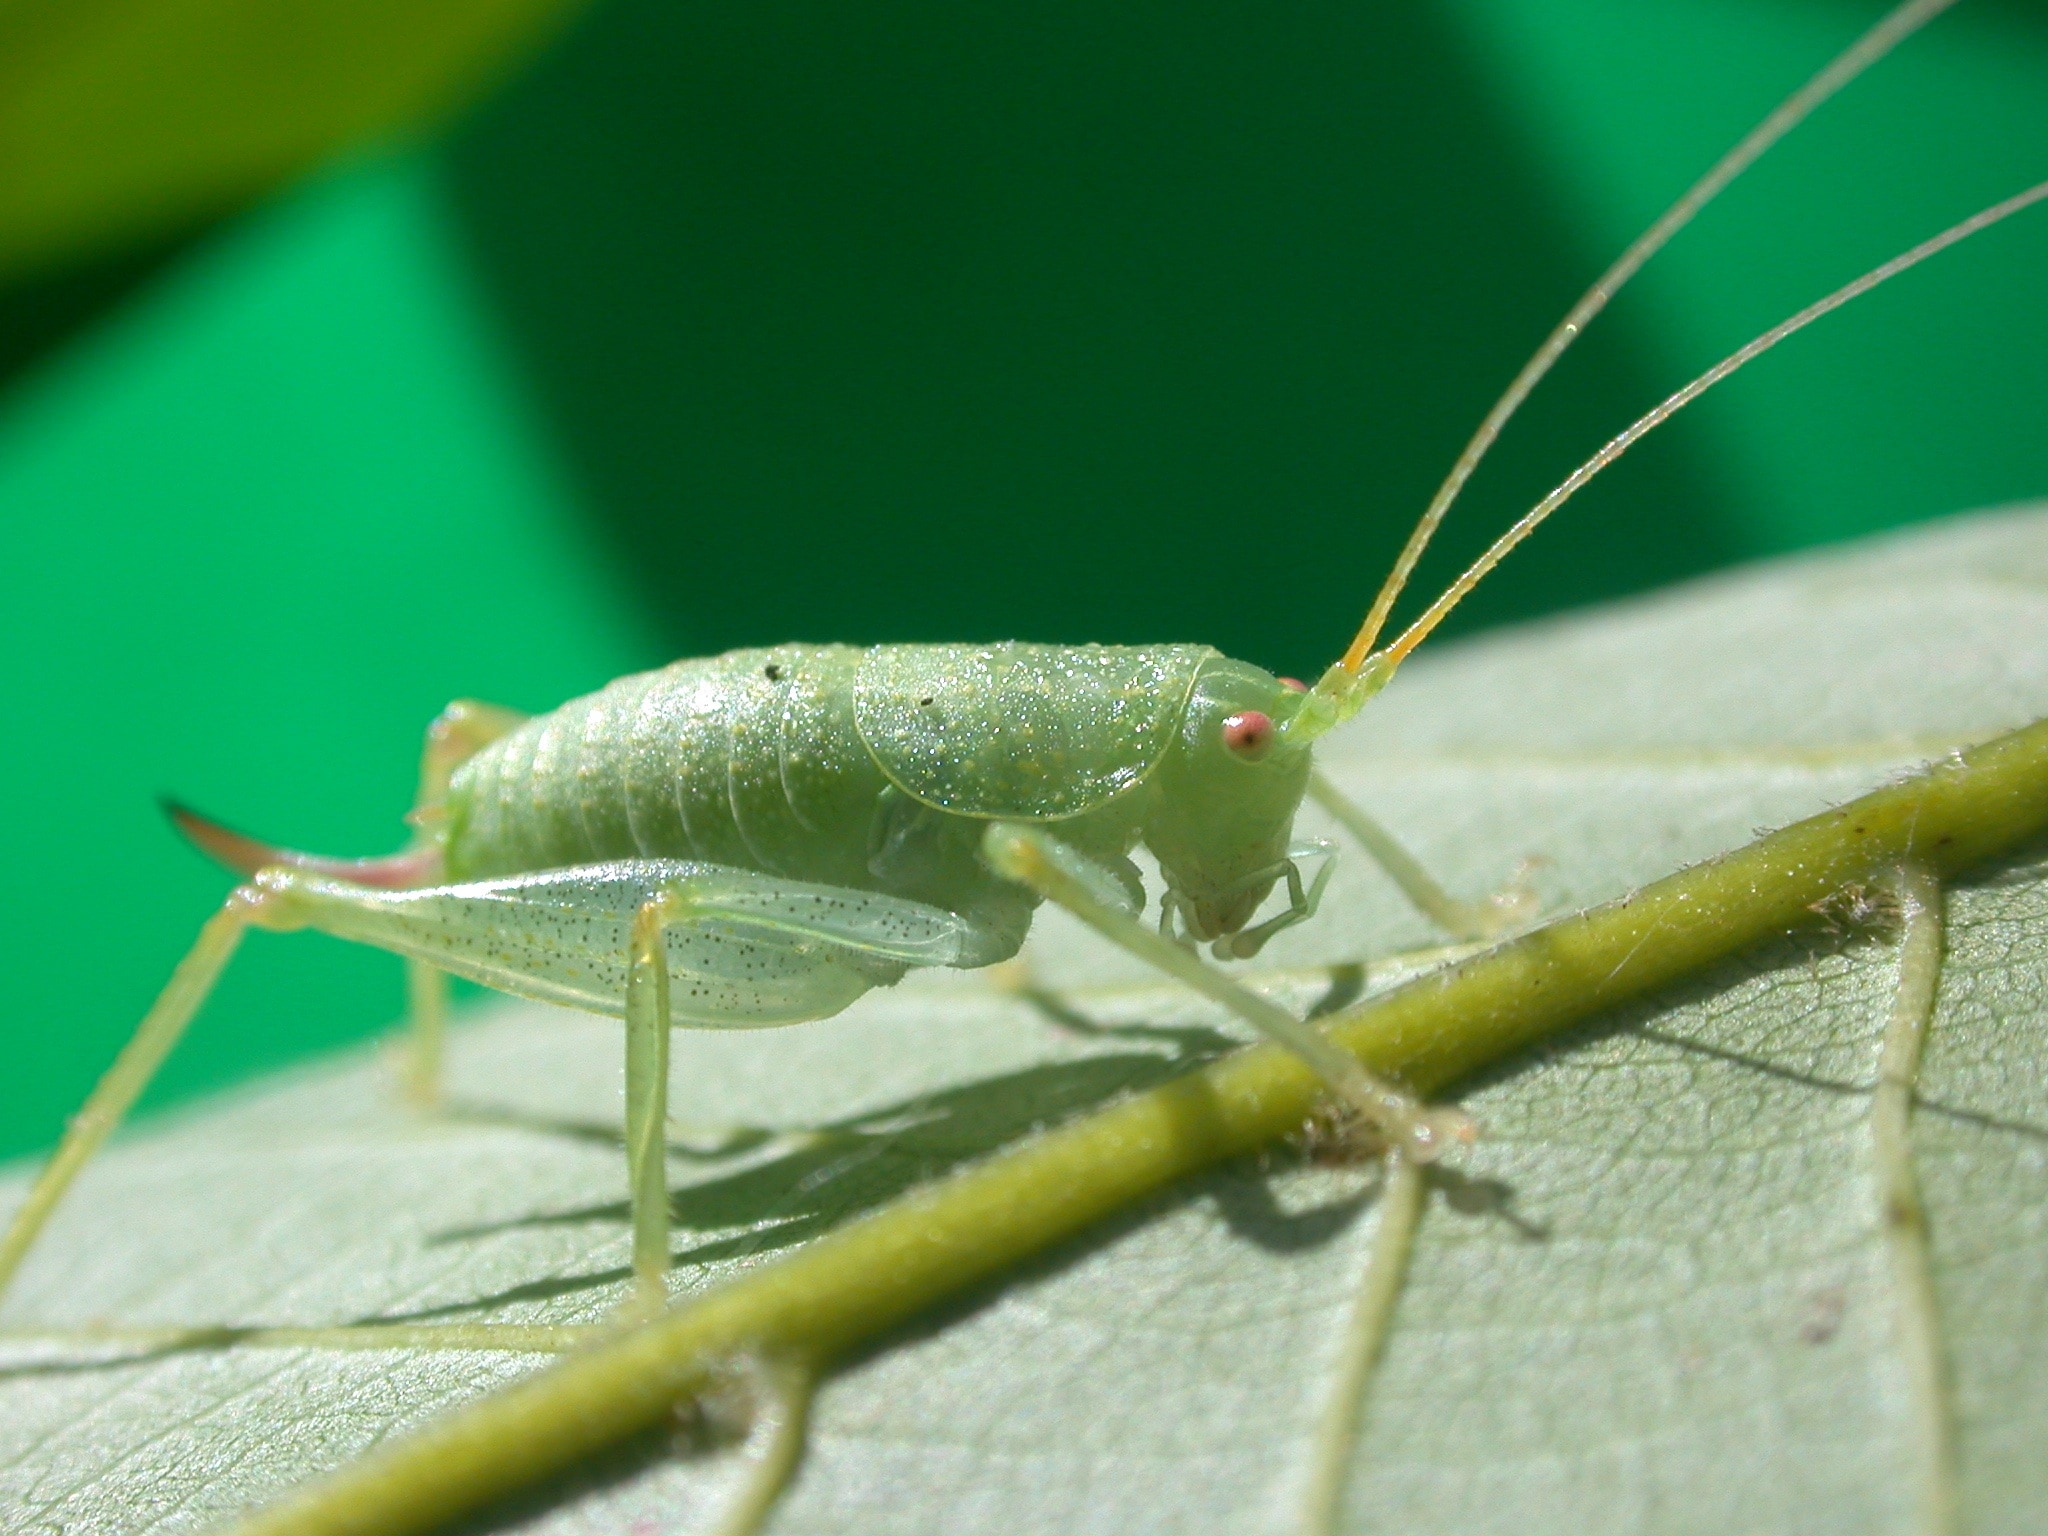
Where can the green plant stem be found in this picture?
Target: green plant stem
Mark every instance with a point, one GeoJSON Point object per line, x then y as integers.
{"type": "Point", "coordinates": [877, 1272]}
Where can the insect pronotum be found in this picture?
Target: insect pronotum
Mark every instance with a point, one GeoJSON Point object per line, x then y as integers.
{"type": "Point", "coordinates": [759, 838]}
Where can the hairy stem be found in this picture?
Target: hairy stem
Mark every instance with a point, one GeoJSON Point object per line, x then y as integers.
{"type": "Point", "coordinates": [877, 1272]}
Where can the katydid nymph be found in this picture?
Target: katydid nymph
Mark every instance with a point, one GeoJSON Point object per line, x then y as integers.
{"type": "Point", "coordinates": [759, 838]}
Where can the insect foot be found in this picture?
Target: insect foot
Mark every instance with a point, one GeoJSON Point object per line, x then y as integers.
{"type": "Point", "coordinates": [1334, 1135]}
{"type": "Point", "coordinates": [1338, 1134]}
{"type": "Point", "coordinates": [761, 1407]}
{"type": "Point", "coordinates": [1516, 904]}
{"type": "Point", "coordinates": [1861, 907]}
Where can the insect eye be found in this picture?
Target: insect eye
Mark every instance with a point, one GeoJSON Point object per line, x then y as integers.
{"type": "Point", "coordinates": [1294, 685]}
{"type": "Point", "coordinates": [1249, 734]}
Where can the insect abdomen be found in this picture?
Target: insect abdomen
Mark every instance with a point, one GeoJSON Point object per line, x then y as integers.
{"type": "Point", "coordinates": [748, 759]}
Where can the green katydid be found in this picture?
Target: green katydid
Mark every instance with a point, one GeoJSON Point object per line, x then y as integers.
{"type": "Point", "coordinates": [759, 838]}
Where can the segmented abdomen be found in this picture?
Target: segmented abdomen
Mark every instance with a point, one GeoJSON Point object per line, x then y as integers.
{"type": "Point", "coordinates": [748, 759]}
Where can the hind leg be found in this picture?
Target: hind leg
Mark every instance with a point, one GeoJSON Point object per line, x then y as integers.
{"type": "Point", "coordinates": [458, 733]}
{"type": "Point", "coordinates": [751, 950]}
{"type": "Point", "coordinates": [726, 947]}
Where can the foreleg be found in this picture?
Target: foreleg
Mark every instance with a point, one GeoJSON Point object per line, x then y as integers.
{"type": "Point", "coordinates": [1027, 854]}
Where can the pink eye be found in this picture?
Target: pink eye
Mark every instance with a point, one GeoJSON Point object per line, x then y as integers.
{"type": "Point", "coordinates": [1248, 734]}
{"type": "Point", "coordinates": [1294, 685]}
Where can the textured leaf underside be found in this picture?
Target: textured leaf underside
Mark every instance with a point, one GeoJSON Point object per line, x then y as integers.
{"type": "Point", "coordinates": [1655, 1296]}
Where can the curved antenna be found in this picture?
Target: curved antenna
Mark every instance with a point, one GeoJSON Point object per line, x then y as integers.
{"type": "Point", "coordinates": [1873, 45]}
{"type": "Point", "coordinates": [1381, 664]}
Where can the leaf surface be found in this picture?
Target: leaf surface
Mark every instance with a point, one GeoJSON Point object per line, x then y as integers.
{"type": "Point", "coordinates": [1655, 1296]}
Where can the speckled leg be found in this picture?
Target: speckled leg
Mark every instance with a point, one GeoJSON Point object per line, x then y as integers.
{"type": "Point", "coordinates": [740, 949]}
{"type": "Point", "coordinates": [661, 942]}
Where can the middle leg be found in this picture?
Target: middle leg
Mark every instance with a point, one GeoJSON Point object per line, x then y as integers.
{"type": "Point", "coordinates": [458, 733]}
{"type": "Point", "coordinates": [1474, 920]}
{"type": "Point", "coordinates": [647, 1027]}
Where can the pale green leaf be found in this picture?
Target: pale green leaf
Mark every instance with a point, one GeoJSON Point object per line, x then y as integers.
{"type": "Point", "coordinates": [1654, 1297]}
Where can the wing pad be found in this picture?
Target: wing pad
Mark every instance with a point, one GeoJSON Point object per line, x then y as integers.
{"type": "Point", "coordinates": [1030, 731]}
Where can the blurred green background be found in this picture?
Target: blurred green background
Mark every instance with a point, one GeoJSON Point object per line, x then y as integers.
{"type": "Point", "coordinates": [355, 358]}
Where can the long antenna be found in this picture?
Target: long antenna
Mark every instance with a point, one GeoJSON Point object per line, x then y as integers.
{"type": "Point", "coordinates": [1384, 662]}
{"type": "Point", "coordinates": [1873, 45]}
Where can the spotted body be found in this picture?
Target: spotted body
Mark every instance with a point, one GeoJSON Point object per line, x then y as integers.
{"type": "Point", "coordinates": [878, 770]}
